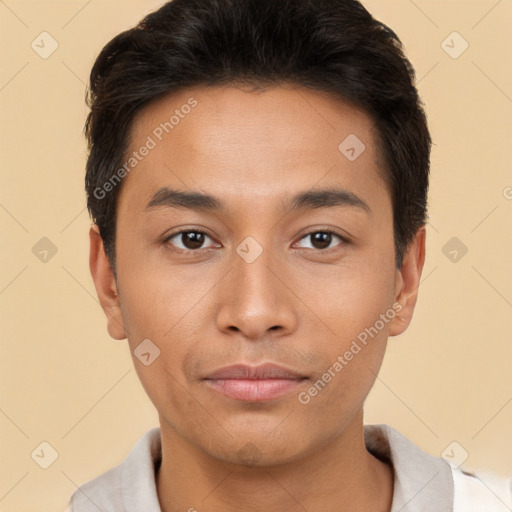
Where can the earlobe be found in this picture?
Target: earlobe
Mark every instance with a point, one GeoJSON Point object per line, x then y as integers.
{"type": "Point", "coordinates": [105, 283]}
{"type": "Point", "coordinates": [407, 283]}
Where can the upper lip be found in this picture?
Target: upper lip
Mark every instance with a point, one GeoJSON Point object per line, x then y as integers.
{"type": "Point", "coordinates": [263, 371]}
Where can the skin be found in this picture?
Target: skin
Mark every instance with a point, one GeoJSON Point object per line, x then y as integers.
{"type": "Point", "coordinates": [298, 304]}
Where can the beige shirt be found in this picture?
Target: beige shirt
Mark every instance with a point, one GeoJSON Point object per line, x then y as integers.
{"type": "Point", "coordinates": [422, 483]}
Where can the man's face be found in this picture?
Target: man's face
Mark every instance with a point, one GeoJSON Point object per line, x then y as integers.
{"type": "Point", "coordinates": [265, 283]}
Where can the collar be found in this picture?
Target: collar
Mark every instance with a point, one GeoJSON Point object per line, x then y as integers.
{"type": "Point", "coordinates": [422, 483]}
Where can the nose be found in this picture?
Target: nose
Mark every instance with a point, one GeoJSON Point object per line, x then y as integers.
{"type": "Point", "coordinates": [256, 299]}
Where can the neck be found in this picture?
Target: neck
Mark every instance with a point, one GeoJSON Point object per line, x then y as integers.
{"type": "Point", "coordinates": [341, 476]}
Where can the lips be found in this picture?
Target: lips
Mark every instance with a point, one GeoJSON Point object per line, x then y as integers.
{"type": "Point", "coordinates": [254, 383]}
{"type": "Point", "coordinates": [264, 371]}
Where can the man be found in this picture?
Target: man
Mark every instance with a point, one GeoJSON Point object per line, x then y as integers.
{"type": "Point", "coordinates": [258, 178]}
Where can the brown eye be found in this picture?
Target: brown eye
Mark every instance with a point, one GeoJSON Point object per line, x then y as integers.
{"type": "Point", "coordinates": [188, 240]}
{"type": "Point", "coordinates": [322, 240]}
{"type": "Point", "coordinates": [192, 240]}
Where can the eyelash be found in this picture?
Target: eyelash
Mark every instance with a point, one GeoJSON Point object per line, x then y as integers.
{"type": "Point", "coordinates": [192, 252]}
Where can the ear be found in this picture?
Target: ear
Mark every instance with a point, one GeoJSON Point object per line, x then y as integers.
{"type": "Point", "coordinates": [407, 283]}
{"type": "Point", "coordinates": [105, 283]}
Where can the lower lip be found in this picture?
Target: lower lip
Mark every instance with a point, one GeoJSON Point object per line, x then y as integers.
{"type": "Point", "coordinates": [254, 390]}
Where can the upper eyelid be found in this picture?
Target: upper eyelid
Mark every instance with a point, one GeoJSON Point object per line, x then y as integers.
{"type": "Point", "coordinates": [343, 239]}
{"type": "Point", "coordinates": [183, 231]}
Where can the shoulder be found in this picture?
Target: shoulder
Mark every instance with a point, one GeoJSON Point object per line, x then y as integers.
{"type": "Point", "coordinates": [442, 486]}
{"type": "Point", "coordinates": [103, 491]}
{"type": "Point", "coordinates": [130, 482]}
{"type": "Point", "coordinates": [482, 491]}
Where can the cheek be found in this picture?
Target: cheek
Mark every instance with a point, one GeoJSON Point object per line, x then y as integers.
{"type": "Point", "coordinates": [157, 300]}
{"type": "Point", "coordinates": [353, 299]}
{"type": "Point", "coordinates": [358, 313]}
{"type": "Point", "coordinates": [338, 392]}
{"type": "Point", "coordinates": [160, 306]}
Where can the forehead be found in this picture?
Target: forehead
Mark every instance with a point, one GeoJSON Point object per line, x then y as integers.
{"type": "Point", "coordinates": [230, 140]}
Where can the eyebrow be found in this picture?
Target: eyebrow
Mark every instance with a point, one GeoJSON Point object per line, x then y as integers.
{"type": "Point", "coordinates": [315, 198]}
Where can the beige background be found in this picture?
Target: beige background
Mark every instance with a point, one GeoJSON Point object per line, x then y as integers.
{"type": "Point", "coordinates": [64, 381]}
